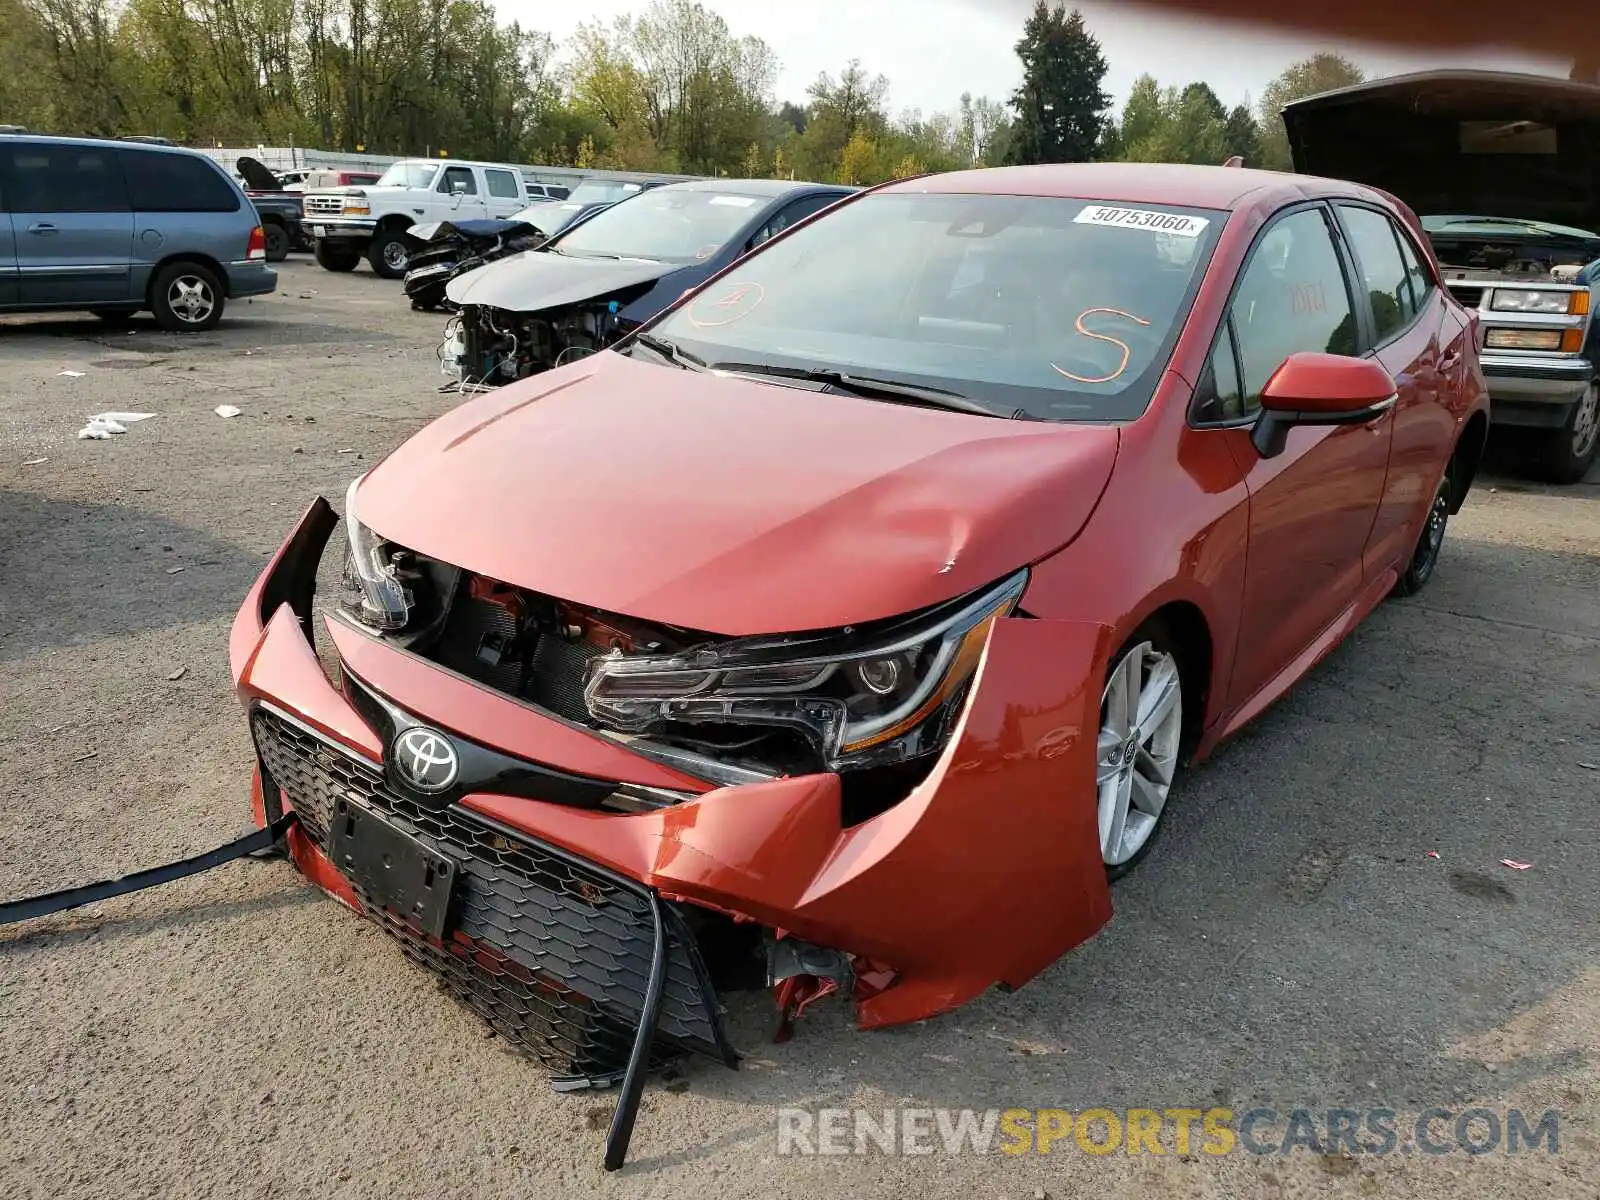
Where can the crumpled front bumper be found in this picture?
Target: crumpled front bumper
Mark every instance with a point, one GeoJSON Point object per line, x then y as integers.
{"type": "Point", "coordinates": [986, 873]}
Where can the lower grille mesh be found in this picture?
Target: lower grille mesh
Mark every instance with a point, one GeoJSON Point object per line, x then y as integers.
{"type": "Point", "coordinates": [555, 953]}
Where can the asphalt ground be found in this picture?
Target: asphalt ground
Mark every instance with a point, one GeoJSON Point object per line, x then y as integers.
{"type": "Point", "coordinates": [1289, 944]}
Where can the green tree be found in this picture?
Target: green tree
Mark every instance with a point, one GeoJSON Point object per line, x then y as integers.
{"type": "Point", "coordinates": [1061, 108]}
{"type": "Point", "coordinates": [1320, 73]}
{"type": "Point", "coordinates": [1170, 125]}
{"type": "Point", "coordinates": [1244, 135]}
{"type": "Point", "coordinates": [839, 110]}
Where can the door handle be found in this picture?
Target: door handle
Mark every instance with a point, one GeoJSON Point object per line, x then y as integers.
{"type": "Point", "coordinates": [42, 227]}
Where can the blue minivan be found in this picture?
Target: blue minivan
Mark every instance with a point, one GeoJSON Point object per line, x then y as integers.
{"type": "Point", "coordinates": [117, 228]}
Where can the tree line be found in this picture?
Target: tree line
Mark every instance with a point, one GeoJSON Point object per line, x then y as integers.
{"type": "Point", "coordinates": [672, 89]}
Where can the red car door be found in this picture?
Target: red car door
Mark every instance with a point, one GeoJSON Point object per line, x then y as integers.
{"type": "Point", "coordinates": [1414, 343]}
{"type": "Point", "coordinates": [1312, 507]}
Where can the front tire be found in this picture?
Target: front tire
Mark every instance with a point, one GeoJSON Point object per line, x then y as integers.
{"type": "Point", "coordinates": [330, 258]}
{"type": "Point", "coordinates": [1567, 455]}
{"type": "Point", "coordinates": [1141, 736]}
{"type": "Point", "coordinates": [389, 253]}
{"type": "Point", "coordinates": [186, 298]}
{"type": "Point", "coordinates": [1426, 555]}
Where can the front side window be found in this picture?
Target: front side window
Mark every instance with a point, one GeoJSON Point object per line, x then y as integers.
{"type": "Point", "coordinates": [1383, 273]}
{"type": "Point", "coordinates": [408, 175]}
{"type": "Point", "coordinates": [664, 224]}
{"type": "Point", "coordinates": [1060, 309]}
{"type": "Point", "coordinates": [1291, 298]}
{"type": "Point", "coordinates": [1221, 398]}
{"type": "Point", "coordinates": [66, 179]}
{"type": "Point", "coordinates": [503, 185]}
{"type": "Point", "coordinates": [461, 177]}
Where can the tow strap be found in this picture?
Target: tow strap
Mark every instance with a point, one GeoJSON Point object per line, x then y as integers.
{"type": "Point", "coordinates": [43, 906]}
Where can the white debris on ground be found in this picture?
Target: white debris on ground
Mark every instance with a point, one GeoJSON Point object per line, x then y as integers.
{"type": "Point", "coordinates": [70, 374]}
{"type": "Point", "coordinates": [103, 425]}
{"type": "Point", "coordinates": [227, 410]}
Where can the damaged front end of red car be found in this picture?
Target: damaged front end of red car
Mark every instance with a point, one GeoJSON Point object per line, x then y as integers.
{"type": "Point", "coordinates": [591, 826]}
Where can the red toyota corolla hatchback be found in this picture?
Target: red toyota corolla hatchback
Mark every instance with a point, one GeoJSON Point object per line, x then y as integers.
{"type": "Point", "coordinates": [847, 627]}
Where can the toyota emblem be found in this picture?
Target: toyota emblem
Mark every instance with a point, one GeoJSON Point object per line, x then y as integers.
{"type": "Point", "coordinates": [425, 759]}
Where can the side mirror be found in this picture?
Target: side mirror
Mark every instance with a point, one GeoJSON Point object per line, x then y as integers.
{"type": "Point", "coordinates": [458, 187]}
{"type": "Point", "coordinates": [1320, 389]}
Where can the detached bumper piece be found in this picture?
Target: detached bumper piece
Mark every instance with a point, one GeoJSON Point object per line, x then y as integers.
{"type": "Point", "coordinates": [587, 971]}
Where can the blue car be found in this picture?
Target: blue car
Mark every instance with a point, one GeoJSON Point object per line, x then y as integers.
{"type": "Point", "coordinates": [119, 227]}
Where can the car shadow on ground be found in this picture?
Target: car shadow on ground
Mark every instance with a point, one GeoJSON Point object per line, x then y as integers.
{"type": "Point", "coordinates": [1290, 941]}
{"type": "Point", "coordinates": [76, 572]}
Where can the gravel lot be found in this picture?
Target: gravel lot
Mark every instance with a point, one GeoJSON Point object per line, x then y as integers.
{"type": "Point", "coordinates": [1289, 943]}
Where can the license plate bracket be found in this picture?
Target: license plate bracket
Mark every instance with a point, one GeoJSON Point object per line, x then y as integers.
{"type": "Point", "coordinates": [319, 231]}
{"type": "Point", "coordinates": [399, 872]}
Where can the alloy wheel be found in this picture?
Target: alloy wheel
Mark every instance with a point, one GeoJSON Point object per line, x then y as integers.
{"type": "Point", "coordinates": [1586, 422]}
{"type": "Point", "coordinates": [191, 299]}
{"type": "Point", "coordinates": [395, 256]}
{"type": "Point", "coordinates": [1141, 726]}
{"type": "Point", "coordinates": [1433, 535]}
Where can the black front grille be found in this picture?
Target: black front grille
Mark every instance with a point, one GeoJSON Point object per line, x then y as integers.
{"type": "Point", "coordinates": [553, 951]}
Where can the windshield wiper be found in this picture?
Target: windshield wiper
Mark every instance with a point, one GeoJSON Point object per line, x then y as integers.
{"type": "Point", "coordinates": [672, 352]}
{"type": "Point", "coordinates": [868, 386]}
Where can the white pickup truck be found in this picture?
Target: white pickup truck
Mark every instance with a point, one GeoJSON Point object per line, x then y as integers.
{"type": "Point", "coordinates": [350, 223]}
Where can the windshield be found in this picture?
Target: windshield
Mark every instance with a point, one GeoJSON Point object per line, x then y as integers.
{"type": "Point", "coordinates": [664, 225]}
{"type": "Point", "coordinates": [600, 192]}
{"type": "Point", "coordinates": [409, 175]}
{"type": "Point", "coordinates": [1055, 309]}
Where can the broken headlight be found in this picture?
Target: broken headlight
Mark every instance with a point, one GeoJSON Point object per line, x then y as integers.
{"type": "Point", "coordinates": [381, 600]}
{"type": "Point", "coordinates": [861, 697]}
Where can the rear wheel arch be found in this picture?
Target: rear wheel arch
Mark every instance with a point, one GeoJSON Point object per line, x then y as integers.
{"type": "Point", "coordinates": [203, 260]}
{"type": "Point", "coordinates": [1465, 459]}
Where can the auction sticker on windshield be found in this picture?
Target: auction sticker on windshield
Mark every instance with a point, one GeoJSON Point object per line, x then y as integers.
{"type": "Point", "coordinates": [1143, 218]}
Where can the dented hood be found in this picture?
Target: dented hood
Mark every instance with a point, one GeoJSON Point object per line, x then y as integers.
{"type": "Point", "coordinates": [733, 507]}
{"type": "Point", "coordinates": [1494, 142]}
{"type": "Point", "coordinates": [538, 279]}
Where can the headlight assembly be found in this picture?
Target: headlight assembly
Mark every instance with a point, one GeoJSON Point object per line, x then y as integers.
{"type": "Point", "coordinates": [381, 601]}
{"type": "Point", "coordinates": [1537, 301]}
{"type": "Point", "coordinates": [862, 698]}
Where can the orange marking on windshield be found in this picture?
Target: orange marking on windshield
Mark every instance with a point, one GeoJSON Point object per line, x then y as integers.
{"type": "Point", "coordinates": [1127, 351]}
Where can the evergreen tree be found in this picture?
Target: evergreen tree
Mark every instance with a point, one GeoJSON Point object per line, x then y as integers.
{"type": "Point", "coordinates": [1061, 107]}
{"type": "Point", "coordinates": [1244, 136]}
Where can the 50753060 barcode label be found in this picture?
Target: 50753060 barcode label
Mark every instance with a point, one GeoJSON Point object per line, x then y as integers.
{"type": "Point", "coordinates": [1143, 218]}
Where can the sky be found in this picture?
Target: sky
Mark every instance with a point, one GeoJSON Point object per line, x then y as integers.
{"type": "Point", "coordinates": [933, 50]}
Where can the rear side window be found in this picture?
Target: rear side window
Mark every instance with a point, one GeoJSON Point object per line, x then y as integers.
{"type": "Point", "coordinates": [175, 183]}
{"type": "Point", "coordinates": [1421, 281]}
{"type": "Point", "coordinates": [1383, 272]}
{"type": "Point", "coordinates": [1291, 298]}
{"type": "Point", "coordinates": [502, 184]}
{"type": "Point", "coordinates": [65, 179]}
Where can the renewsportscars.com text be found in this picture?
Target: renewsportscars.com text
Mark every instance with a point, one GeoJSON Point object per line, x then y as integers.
{"type": "Point", "coordinates": [1152, 1131]}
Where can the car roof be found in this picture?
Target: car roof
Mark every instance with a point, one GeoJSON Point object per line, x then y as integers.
{"type": "Point", "coordinates": [756, 187]}
{"type": "Point", "coordinates": [110, 144]}
{"type": "Point", "coordinates": [1177, 184]}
